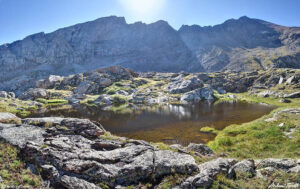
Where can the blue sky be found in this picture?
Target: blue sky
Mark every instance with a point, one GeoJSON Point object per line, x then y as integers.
{"type": "Point", "coordinates": [19, 18]}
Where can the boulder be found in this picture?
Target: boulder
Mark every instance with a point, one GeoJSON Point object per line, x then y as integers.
{"type": "Point", "coordinates": [295, 169]}
{"type": "Point", "coordinates": [207, 93]}
{"type": "Point", "coordinates": [104, 100]}
{"type": "Point", "coordinates": [207, 172]}
{"type": "Point", "coordinates": [20, 135]}
{"type": "Point", "coordinates": [266, 93]}
{"type": "Point", "coordinates": [221, 90]}
{"type": "Point", "coordinates": [68, 126]}
{"type": "Point", "coordinates": [11, 95]}
{"type": "Point", "coordinates": [243, 167]}
{"type": "Point", "coordinates": [167, 162]}
{"type": "Point", "coordinates": [292, 95]}
{"type": "Point", "coordinates": [50, 82]}
{"type": "Point", "coordinates": [6, 117]}
{"type": "Point", "coordinates": [192, 96]}
{"type": "Point", "coordinates": [83, 87]}
{"type": "Point", "coordinates": [200, 149]}
{"type": "Point", "coordinates": [33, 93]}
{"type": "Point", "coordinates": [290, 80]}
{"type": "Point", "coordinates": [277, 163]}
{"type": "Point", "coordinates": [182, 85]}
{"type": "Point", "coordinates": [283, 100]}
{"type": "Point", "coordinates": [3, 94]}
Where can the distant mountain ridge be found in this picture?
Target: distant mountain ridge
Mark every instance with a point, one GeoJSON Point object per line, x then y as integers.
{"type": "Point", "coordinates": [242, 44]}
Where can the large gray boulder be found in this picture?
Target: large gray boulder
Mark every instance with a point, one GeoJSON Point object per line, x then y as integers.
{"type": "Point", "coordinates": [244, 167]}
{"type": "Point", "coordinates": [182, 85]}
{"type": "Point", "coordinates": [192, 96]}
{"type": "Point", "coordinates": [277, 163]}
{"type": "Point", "coordinates": [68, 126]}
{"type": "Point", "coordinates": [197, 95]}
{"type": "Point", "coordinates": [207, 93]}
{"type": "Point", "coordinates": [207, 172]}
{"type": "Point", "coordinates": [3, 94]}
{"type": "Point", "coordinates": [50, 82]}
{"type": "Point", "coordinates": [200, 149]}
{"type": "Point", "coordinates": [33, 93]}
{"type": "Point", "coordinates": [20, 135]}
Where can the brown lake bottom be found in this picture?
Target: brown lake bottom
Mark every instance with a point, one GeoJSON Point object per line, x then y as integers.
{"type": "Point", "coordinates": [170, 124]}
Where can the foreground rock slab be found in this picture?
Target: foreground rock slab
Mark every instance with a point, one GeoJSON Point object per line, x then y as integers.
{"type": "Point", "coordinates": [77, 153]}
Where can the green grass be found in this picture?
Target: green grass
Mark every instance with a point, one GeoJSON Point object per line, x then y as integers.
{"type": "Point", "coordinates": [162, 146]}
{"type": "Point", "coordinates": [13, 171]}
{"type": "Point", "coordinates": [22, 108]}
{"type": "Point", "coordinates": [118, 86]}
{"type": "Point", "coordinates": [119, 99]}
{"type": "Point", "coordinates": [209, 129]}
{"type": "Point", "coordinates": [246, 182]}
{"type": "Point", "coordinates": [258, 138]}
{"type": "Point", "coordinates": [52, 101]}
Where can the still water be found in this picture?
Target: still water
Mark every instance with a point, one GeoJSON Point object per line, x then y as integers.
{"type": "Point", "coordinates": [169, 123]}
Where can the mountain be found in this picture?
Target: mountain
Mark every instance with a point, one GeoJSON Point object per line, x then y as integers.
{"type": "Point", "coordinates": [244, 44]}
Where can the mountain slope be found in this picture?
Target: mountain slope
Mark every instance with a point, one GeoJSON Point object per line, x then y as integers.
{"type": "Point", "coordinates": [242, 45]}
{"type": "Point", "coordinates": [237, 45]}
{"type": "Point", "coordinates": [103, 42]}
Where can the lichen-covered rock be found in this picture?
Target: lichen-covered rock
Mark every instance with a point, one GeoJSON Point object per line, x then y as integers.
{"type": "Point", "coordinates": [277, 163]}
{"type": "Point", "coordinates": [207, 173]}
{"type": "Point", "coordinates": [68, 126]}
{"type": "Point", "coordinates": [243, 167]}
{"type": "Point", "coordinates": [72, 153]}
{"type": "Point", "coordinates": [200, 149]}
{"type": "Point", "coordinates": [20, 135]}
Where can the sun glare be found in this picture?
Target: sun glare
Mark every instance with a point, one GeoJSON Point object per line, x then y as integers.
{"type": "Point", "coordinates": [142, 7]}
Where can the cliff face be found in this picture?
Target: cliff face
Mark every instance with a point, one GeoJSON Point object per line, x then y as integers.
{"type": "Point", "coordinates": [241, 45]}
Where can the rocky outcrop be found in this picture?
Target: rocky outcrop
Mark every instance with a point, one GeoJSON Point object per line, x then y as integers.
{"type": "Point", "coordinates": [182, 85]}
{"type": "Point", "coordinates": [75, 153]}
{"type": "Point", "coordinates": [197, 95]}
{"type": "Point", "coordinates": [4, 94]}
{"type": "Point", "coordinates": [78, 153]}
{"type": "Point", "coordinates": [207, 173]}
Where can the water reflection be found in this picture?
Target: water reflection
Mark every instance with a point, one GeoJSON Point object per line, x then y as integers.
{"type": "Point", "coordinates": [168, 123]}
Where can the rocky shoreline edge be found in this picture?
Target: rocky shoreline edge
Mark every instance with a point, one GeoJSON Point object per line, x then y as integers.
{"type": "Point", "coordinates": [78, 153]}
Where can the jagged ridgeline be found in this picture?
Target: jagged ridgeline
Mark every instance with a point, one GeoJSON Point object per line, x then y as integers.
{"type": "Point", "coordinates": [244, 44]}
